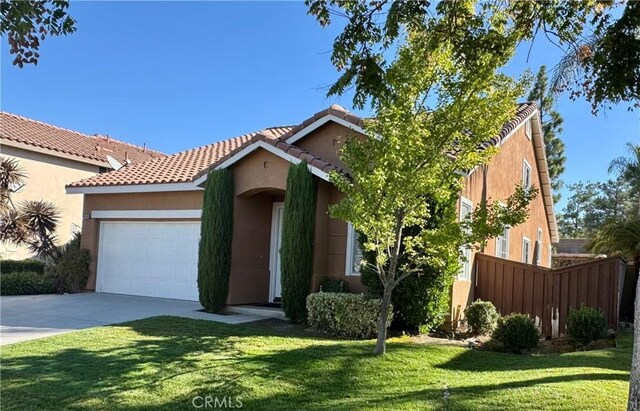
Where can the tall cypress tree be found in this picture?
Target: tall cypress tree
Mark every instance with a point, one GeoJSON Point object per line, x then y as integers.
{"type": "Point", "coordinates": [216, 232]}
{"type": "Point", "coordinates": [296, 252]}
{"type": "Point", "coordinates": [551, 128]}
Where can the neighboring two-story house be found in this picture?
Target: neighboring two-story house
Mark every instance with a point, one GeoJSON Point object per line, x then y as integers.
{"type": "Point", "coordinates": [52, 157]}
{"type": "Point", "coordinates": [142, 222]}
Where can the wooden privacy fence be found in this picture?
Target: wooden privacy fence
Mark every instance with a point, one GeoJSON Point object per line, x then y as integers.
{"type": "Point", "coordinates": [548, 295]}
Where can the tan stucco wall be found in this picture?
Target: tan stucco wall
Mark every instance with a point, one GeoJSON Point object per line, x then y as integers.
{"type": "Point", "coordinates": [502, 175]}
{"type": "Point", "coordinates": [46, 179]}
{"type": "Point", "coordinates": [326, 141]}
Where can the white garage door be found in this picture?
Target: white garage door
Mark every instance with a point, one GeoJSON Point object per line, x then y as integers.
{"type": "Point", "coordinates": [149, 259]}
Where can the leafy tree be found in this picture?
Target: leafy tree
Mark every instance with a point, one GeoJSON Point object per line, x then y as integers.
{"type": "Point", "coordinates": [216, 234]}
{"type": "Point", "coordinates": [551, 128]}
{"type": "Point", "coordinates": [29, 223]}
{"type": "Point", "coordinates": [26, 23]}
{"type": "Point", "coordinates": [420, 301]}
{"type": "Point", "coordinates": [296, 252]}
{"type": "Point", "coordinates": [608, 71]}
{"type": "Point", "coordinates": [572, 219]}
{"type": "Point", "coordinates": [427, 127]}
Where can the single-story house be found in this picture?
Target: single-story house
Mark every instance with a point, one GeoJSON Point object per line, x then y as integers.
{"type": "Point", "coordinates": [52, 157]}
{"type": "Point", "coordinates": [142, 222]}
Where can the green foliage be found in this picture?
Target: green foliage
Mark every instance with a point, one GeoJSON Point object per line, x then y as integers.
{"type": "Point", "coordinates": [333, 285]}
{"type": "Point", "coordinates": [26, 23]}
{"type": "Point", "coordinates": [296, 252]}
{"type": "Point", "coordinates": [517, 332]}
{"type": "Point", "coordinates": [603, 68]}
{"type": "Point", "coordinates": [421, 301]}
{"type": "Point", "coordinates": [343, 314]}
{"type": "Point", "coordinates": [26, 283]}
{"type": "Point", "coordinates": [482, 317]}
{"type": "Point", "coordinates": [68, 266]}
{"type": "Point", "coordinates": [551, 129]}
{"type": "Point", "coordinates": [11, 266]}
{"type": "Point", "coordinates": [586, 324]}
{"type": "Point", "coordinates": [216, 233]}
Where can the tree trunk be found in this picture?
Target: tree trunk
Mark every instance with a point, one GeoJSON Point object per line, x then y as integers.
{"type": "Point", "coordinates": [634, 380]}
{"type": "Point", "coordinates": [381, 342]}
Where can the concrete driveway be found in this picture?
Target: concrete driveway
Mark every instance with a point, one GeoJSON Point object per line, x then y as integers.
{"type": "Point", "coordinates": [29, 317]}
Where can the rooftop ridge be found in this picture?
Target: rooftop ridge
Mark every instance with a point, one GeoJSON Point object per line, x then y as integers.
{"type": "Point", "coordinates": [94, 137]}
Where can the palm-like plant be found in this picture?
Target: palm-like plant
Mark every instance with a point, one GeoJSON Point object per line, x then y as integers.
{"type": "Point", "coordinates": [30, 223]}
{"type": "Point", "coordinates": [628, 167]}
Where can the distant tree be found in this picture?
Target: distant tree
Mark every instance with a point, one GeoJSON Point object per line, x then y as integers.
{"type": "Point", "coordinates": [25, 23]}
{"type": "Point", "coordinates": [580, 203]}
{"type": "Point", "coordinates": [551, 128]}
{"type": "Point", "coordinates": [628, 168]}
{"type": "Point", "coordinates": [29, 223]}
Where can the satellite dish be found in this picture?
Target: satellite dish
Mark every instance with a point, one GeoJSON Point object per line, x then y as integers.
{"type": "Point", "coordinates": [115, 164]}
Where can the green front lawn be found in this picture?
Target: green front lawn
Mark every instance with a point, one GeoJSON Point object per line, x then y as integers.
{"type": "Point", "coordinates": [163, 362]}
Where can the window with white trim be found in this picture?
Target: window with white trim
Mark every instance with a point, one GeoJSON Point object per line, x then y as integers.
{"type": "Point", "coordinates": [502, 244]}
{"type": "Point", "coordinates": [466, 207]}
{"type": "Point", "coordinates": [527, 129]}
{"type": "Point", "coordinates": [526, 174]}
{"type": "Point", "coordinates": [550, 257]}
{"type": "Point", "coordinates": [538, 248]}
{"type": "Point", "coordinates": [354, 252]}
{"type": "Point", "coordinates": [526, 250]}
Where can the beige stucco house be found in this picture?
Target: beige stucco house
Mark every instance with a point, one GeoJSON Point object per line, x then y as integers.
{"type": "Point", "coordinates": [142, 222]}
{"type": "Point", "coordinates": [52, 157]}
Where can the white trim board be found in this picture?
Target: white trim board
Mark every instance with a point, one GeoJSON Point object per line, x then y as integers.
{"type": "Point", "coordinates": [321, 122]}
{"type": "Point", "coordinates": [134, 188]}
{"type": "Point", "coordinates": [153, 214]}
{"type": "Point", "coordinates": [270, 148]}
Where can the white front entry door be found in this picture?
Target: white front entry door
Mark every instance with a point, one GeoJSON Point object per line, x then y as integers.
{"type": "Point", "coordinates": [275, 286]}
{"type": "Point", "coordinates": [154, 259]}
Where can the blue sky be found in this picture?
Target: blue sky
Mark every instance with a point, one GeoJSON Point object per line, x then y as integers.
{"type": "Point", "coordinates": [179, 75]}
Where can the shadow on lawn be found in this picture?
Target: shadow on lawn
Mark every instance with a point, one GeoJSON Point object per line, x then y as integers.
{"type": "Point", "coordinates": [212, 359]}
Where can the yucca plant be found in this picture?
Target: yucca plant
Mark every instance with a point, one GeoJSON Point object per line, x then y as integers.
{"type": "Point", "coordinates": [30, 223]}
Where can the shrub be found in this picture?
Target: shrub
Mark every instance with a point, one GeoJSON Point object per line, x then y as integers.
{"type": "Point", "coordinates": [517, 332]}
{"type": "Point", "coordinates": [333, 285]}
{"type": "Point", "coordinates": [216, 234]}
{"type": "Point", "coordinates": [482, 317]}
{"type": "Point", "coordinates": [421, 301]}
{"type": "Point", "coordinates": [12, 266]}
{"type": "Point", "coordinates": [343, 314]}
{"type": "Point", "coordinates": [586, 324]}
{"type": "Point", "coordinates": [68, 266]}
{"type": "Point", "coordinates": [26, 283]}
{"type": "Point", "coordinates": [296, 252]}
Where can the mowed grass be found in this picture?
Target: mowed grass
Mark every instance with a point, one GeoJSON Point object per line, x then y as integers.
{"type": "Point", "coordinates": [163, 362]}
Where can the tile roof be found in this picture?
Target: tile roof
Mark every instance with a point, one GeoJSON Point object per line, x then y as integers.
{"type": "Point", "coordinates": [189, 165]}
{"type": "Point", "coordinates": [15, 128]}
{"type": "Point", "coordinates": [181, 167]}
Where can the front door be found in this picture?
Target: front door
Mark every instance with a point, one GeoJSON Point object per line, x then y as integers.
{"type": "Point", "coordinates": [275, 287]}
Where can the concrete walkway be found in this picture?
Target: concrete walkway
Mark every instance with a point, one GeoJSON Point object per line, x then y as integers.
{"type": "Point", "coordinates": [24, 318]}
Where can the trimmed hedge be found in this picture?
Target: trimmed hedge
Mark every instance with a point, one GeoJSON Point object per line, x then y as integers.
{"type": "Point", "coordinates": [216, 233]}
{"type": "Point", "coordinates": [517, 332]}
{"type": "Point", "coordinates": [333, 285]}
{"type": "Point", "coordinates": [344, 315]}
{"type": "Point", "coordinates": [296, 251]}
{"type": "Point", "coordinates": [482, 317]}
{"type": "Point", "coordinates": [26, 283]}
{"type": "Point", "coordinates": [586, 324]}
{"type": "Point", "coordinates": [12, 266]}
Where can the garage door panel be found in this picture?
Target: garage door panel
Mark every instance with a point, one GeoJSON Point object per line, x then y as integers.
{"type": "Point", "coordinates": [149, 259]}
